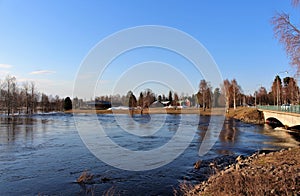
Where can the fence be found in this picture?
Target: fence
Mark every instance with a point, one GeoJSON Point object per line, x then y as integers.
{"type": "Point", "coordinates": [283, 108]}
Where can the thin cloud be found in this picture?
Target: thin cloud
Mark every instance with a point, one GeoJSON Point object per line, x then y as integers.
{"type": "Point", "coordinates": [41, 72]}
{"type": "Point", "coordinates": [5, 66]}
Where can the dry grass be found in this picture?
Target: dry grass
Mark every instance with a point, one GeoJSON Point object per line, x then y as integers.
{"type": "Point", "coordinates": [241, 184]}
{"type": "Point", "coordinates": [111, 192]}
{"type": "Point", "coordinates": [275, 174]}
{"type": "Point", "coordinates": [85, 178]}
{"type": "Point", "coordinates": [90, 191]}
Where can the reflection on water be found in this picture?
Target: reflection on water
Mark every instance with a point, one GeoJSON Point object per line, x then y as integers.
{"type": "Point", "coordinates": [12, 128]}
{"type": "Point", "coordinates": [282, 137]}
{"type": "Point", "coordinates": [43, 154]}
{"type": "Point", "coordinates": [240, 137]}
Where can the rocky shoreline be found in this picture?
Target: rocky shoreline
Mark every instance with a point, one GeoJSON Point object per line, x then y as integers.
{"type": "Point", "coordinates": [265, 173]}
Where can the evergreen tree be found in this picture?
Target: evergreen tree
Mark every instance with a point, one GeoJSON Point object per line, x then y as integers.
{"type": "Point", "coordinates": [170, 97]}
{"type": "Point", "coordinates": [68, 104]}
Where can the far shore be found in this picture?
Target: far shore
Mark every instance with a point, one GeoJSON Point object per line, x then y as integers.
{"type": "Point", "coordinates": [245, 114]}
{"type": "Point", "coordinates": [215, 111]}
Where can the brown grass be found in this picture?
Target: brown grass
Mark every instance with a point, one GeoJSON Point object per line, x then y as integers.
{"type": "Point", "coordinates": [85, 178]}
{"type": "Point", "coordinates": [111, 192]}
{"type": "Point", "coordinates": [272, 174]}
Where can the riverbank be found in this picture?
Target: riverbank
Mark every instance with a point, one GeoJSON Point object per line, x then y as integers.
{"type": "Point", "coordinates": [274, 173]}
{"type": "Point", "coordinates": [245, 114]}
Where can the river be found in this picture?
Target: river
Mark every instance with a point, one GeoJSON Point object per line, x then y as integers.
{"type": "Point", "coordinates": [44, 154]}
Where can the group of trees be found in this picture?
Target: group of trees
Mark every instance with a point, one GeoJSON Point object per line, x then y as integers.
{"type": "Point", "coordinates": [24, 98]}
{"type": "Point", "coordinates": [284, 91]}
{"type": "Point", "coordinates": [229, 95]}
{"type": "Point", "coordinates": [145, 99]}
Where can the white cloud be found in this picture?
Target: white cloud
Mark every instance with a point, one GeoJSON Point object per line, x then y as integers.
{"type": "Point", "coordinates": [40, 72]}
{"type": "Point", "coordinates": [5, 66]}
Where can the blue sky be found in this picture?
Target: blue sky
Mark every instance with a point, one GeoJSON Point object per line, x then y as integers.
{"type": "Point", "coordinates": [46, 41]}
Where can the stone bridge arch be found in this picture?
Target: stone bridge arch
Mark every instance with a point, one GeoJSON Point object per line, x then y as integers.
{"type": "Point", "coordinates": [287, 119]}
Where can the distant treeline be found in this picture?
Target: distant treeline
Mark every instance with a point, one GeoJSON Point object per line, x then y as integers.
{"type": "Point", "coordinates": [229, 94]}
{"type": "Point", "coordinates": [24, 98]}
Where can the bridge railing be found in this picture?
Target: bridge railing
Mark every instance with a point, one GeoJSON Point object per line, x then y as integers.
{"type": "Point", "coordinates": [283, 108]}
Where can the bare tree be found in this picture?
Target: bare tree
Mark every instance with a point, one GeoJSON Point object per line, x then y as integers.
{"type": "Point", "coordinates": [26, 93]}
{"type": "Point", "coordinates": [2, 98]}
{"type": "Point", "coordinates": [58, 103]}
{"type": "Point", "coordinates": [203, 93]}
{"type": "Point", "coordinates": [149, 98]}
{"type": "Point", "coordinates": [235, 91]}
{"type": "Point", "coordinates": [45, 103]}
{"type": "Point", "coordinates": [296, 2]}
{"type": "Point", "coordinates": [141, 100]}
{"type": "Point", "coordinates": [208, 96]}
{"type": "Point", "coordinates": [132, 102]}
{"type": "Point", "coordinates": [9, 91]}
{"type": "Point", "coordinates": [33, 97]}
{"type": "Point", "coordinates": [226, 92]}
{"type": "Point", "coordinates": [262, 96]}
{"type": "Point", "coordinates": [176, 99]}
{"type": "Point", "coordinates": [15, 97]}
{"type": "Point", "coordinates": [289, 35]}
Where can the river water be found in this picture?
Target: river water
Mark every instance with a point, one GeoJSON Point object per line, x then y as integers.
{"type": "Point", "coordinates": [44, 154]}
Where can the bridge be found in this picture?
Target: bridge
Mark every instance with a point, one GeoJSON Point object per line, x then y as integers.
{"type": "Point", "coordinates": [289, 116]}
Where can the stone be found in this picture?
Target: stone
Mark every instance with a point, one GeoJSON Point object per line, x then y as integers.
{"type": "Point", "coordinates": [272, 191]}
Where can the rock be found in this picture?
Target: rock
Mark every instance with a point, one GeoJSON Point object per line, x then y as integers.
{"type": "Point", "coordinates": [272, 191]}
{"type": "Point", "coordinates": [262, 154]}
{"type": "Point", "coordinates": [212, 165]}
